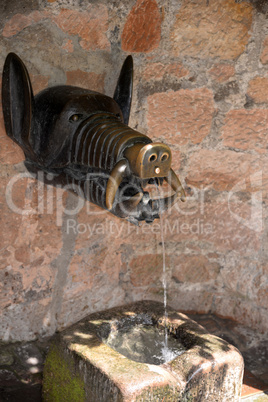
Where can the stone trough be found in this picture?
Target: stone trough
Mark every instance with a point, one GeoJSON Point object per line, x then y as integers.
{"type": "Point", "coordinates": [81, 366]}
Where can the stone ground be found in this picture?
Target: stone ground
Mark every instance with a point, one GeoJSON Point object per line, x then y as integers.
{"type": "Point", "coordinates": [21, 364]}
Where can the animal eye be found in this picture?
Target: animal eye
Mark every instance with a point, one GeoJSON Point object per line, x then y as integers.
{"type": "Point", "coordinates": [75, 117]}
{"type": "Point", "coordinates": [164, 157]}
{"type": "Point", "coordinates": [152, 158]}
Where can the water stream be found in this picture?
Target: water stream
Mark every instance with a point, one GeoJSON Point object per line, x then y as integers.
{"type": "Point", "coordinates": [139, 339]}
{"type": "Point", "coordinates": [164, 281]}
{"type": "Point", "coordinates": [167, 352]}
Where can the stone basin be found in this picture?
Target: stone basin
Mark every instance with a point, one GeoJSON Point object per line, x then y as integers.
{"type": "Point", "coordinates": [81, 366]}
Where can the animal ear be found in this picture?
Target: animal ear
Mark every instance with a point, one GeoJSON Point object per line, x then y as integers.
{"type": "Point", "coordinates": [17, 101]}
{"type": "Point", "coordinates": [123, 90]}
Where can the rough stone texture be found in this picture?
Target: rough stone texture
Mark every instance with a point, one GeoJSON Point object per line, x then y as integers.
{"type": "Point", "coordinates": [246, 129]}
{"type": "Point", "coordinates": [92, 279]}
{"type": "Point", "coordinates": [210, 367]}
{"type": "Point", "coordinates": [157, 71]}
{"type": "Point", "coordinates": [221, 72]}
{"type": "Point", "coordinates": [194, 269]}
{"type": "Point", "coordinates": [264, 55]}
{"type": "Point", "coordinates": [258, 89]}
{"type": "Point", "coordinates": [188, 112]}
{"type": "Point", "coordinates": [90, 26]}
{"type": "Point", "coordinates": [9, 152]}
{"type": "Point", "coordinates": [68, 45]}
{"type": "Point", "coordinates": [146, 269]}
{"type": "Point", "coordinates": [211, 29]}
{"type": "Point", "coordinates": [215, 224]}
{"type": "Point", "coordinates": [228, 170]}
{"type": "Point", "coordinates": [19, 22]}
{"type": "Point", "coordinates": [92, 81]}
{"type": "Point", "coordinates": [142, 30]}
{"type": "Point", "coordinates": [7, 8]}
{"type": "Point", "coordinates": [38, 83]}
{"type": "Point", "coordinates": [199, 85]}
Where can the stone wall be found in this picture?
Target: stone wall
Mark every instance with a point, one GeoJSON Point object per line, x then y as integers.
{"type": "Point", "coordinates": [201, 86]}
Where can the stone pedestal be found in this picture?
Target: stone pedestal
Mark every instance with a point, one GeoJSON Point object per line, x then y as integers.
{"type": "Point", "coordinates": [81, 367]}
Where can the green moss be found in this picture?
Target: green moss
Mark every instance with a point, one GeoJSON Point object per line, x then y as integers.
{"type": "Point", "coordinates": [61, 383]}
{"type": "Point", "coordinates": [160, 394]}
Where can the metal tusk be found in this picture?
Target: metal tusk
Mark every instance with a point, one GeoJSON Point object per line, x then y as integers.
{"type": "Point", "coordinates": [114, 182]}
{"type": "Point", "coordinates": [174, 182]}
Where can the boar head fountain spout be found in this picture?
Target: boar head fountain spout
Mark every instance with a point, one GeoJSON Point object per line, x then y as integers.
{"type": "Point", "coordinates": [82, 138]}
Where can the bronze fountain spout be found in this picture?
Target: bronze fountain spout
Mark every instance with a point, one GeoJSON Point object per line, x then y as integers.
{"type": "Point", "coordinates": [82, 138]}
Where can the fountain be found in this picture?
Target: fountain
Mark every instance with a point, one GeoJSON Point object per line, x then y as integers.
{"type": "Point", "coordinates": [82, 139]}
{"type": "Point", "coordinates": [93, 357]}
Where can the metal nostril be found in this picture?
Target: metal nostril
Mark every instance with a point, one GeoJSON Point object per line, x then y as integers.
{"type": "Point", "coordinates": [164, 157]}
{"type": "Point", "coordinates": [157, 170]}
{"type": "Point", "coordinates": [152, 158]}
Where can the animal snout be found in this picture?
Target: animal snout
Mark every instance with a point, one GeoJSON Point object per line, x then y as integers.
{"type": "Point", "coordinates": [158, 159]}
{"type": "Point", "coordinates": [155, 160]}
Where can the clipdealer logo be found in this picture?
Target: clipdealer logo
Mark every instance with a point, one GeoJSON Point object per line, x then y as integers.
{"type": "Point", "coordinates": [50, 199]}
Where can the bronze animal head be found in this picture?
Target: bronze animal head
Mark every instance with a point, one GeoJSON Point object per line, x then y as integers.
{"type": "Point", "coordinates": [82, 138]}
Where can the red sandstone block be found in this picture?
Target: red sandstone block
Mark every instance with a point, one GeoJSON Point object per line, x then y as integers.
{"type": "Point", "coordinates": [142, 30]}
{"type": "Point", "coordinates": [177, 160]}
{"type": "Point", "coordinates": [9, 220]}
{"type": "Point", "coordinates": [31, 243]}
{"type": "Point", "coordinates": [90, 25]}
{"type": "Point", "coordinates": [224, 169]}
{"type": "Point", "coordinates": [258, 89]}
{"type": "Point", "coordinates": [212, 29]}
{"type": "Point", "coordinates": [146, 269]}
{"type": "Point", "coordinates": [246, 129]}
{"type": "Point", "coordinates": [19, 22]}
{"type": "Point", "coordinates": [194, 269]}
{"type": "Point", "coordinates": [157, 71]}
{"type": "Point", "coordinates": [83, 79]}
{"type": "Point", "coordinates": [180, 117]}
{"type": "Point", "coordinates": [39, 82]}
{"type": "Point", "coordinates": [215, 223]}
{"type": "Point", "coordinates": [222, 72]}
{"type": "Point", "coordinates": [10, 153]}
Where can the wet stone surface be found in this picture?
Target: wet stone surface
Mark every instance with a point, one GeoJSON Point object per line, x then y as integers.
{"type": "Point", "coordinates": [145, 344]}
